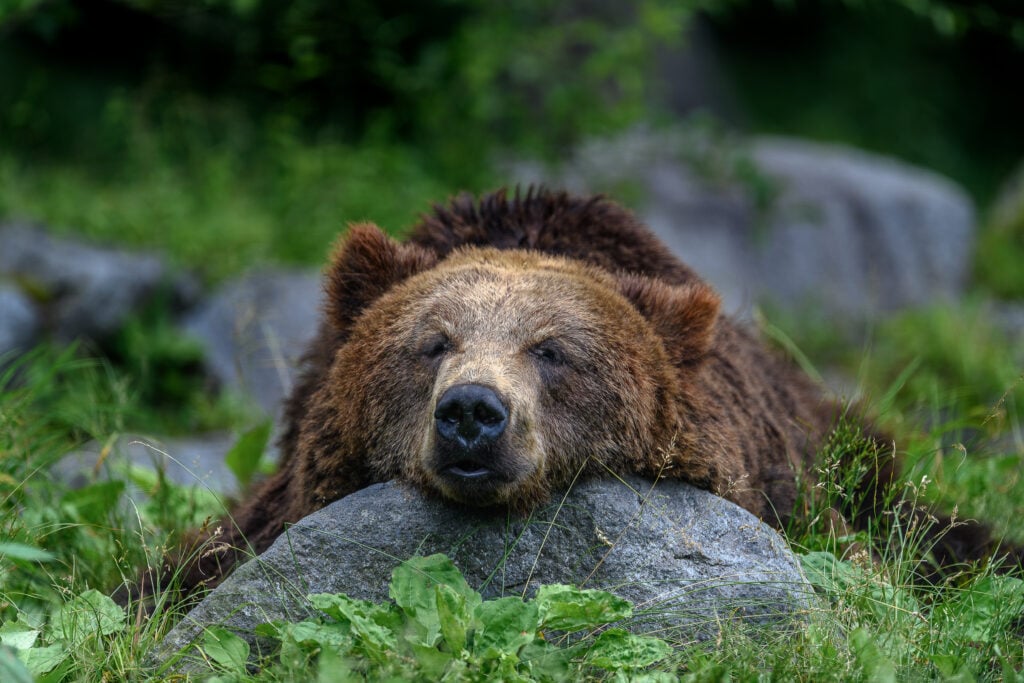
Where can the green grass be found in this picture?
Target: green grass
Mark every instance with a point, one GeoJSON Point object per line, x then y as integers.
{"type": "Point", "coordinates": [950, 384]}
{"type": "Point", "coordinates": [220, 205]}
{"type": "Point", "coordinates": [1001, 246]}
{"type": "Point", "coordinates": [64, 550]}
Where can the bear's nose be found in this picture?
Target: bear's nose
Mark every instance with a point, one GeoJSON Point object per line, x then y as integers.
{"type": "Point", "coordinates": [470, 414]}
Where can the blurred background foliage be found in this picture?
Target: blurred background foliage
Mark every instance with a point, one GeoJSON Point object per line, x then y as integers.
{"type": "Point", "coordinates": [233, 131]}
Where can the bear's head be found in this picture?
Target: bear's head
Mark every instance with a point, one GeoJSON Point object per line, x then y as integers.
{"type": "Point", "coordinates": [493, 376]}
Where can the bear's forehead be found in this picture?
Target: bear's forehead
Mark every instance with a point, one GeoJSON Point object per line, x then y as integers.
{"type": "Point", "coordinates": [523, 295]}
{"type": "Point", "coordinates": [490, 287]}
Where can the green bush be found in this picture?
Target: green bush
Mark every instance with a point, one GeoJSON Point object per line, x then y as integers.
{"type": "Point", "coordinates": [458, 77]}
{"type": "Point", "coordinates": [1001, 245]}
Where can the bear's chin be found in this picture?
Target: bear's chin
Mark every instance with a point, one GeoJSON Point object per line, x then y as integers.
{"type": "Point", "coordinates": [480, 482]}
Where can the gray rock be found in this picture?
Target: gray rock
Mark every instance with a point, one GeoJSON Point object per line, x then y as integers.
{"type": "Point", "coordinates": [851, 233]}
{"type": "Point", "coordinates": [195, 460]}
{"type": "Point", "coordinates": [254, 330]}
{"type": "Point", "coordinates": [87, 291]}
{"type": "Point", "coordinates": [688, 560]}
{"type": "Point", "coordinates": [19, 321]}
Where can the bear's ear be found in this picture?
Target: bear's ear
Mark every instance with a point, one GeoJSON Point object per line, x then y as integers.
{"type": "Point", "coordinates": [683, 315]}
{"type": "Point", "coordinates": [366, 264]}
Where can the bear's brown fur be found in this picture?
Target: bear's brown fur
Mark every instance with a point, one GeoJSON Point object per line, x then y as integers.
{"type": "Point", "coordinates": [587, 345]}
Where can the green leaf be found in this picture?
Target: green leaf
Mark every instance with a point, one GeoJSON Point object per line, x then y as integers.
{"type": "Point", "coordinates": [832, 575]}
{"type": "Point", "coordinates": [311, 634]}
{"type": "Point", "coordinates": [507, 624]}
{"type": "Point", "coordinates": [272, 629]}
{"type": "Point", "coordinates": [546, 662]}
{"type": "Point", "coordinates": [413, 590]}
{"type": "Point", "coordinates": [93, 504]}
{"type": "Point", "coordinates": [824, 570]}
{"type": "Point", "coordinates": [413, 581]}
{"type": "Point", "coordinates": [565, 608]}
{"type": "Point", "coordinates": [431, 663]}
{"type": "Point", "coordinates": [225, 648]}
{"type": "Point", "coordinates": [617, 649]}
{"type": "Point", "coordinates": [23, 551]}
{"type": "Point", "coordinates": [371, 638]}
{"type": "Point", "coordinates": [453, 616]}
{"type": "Point", "coordinates": [41, 660]}
{"type": "Point", "coordinates": [12, 669]}
{"type": "Point", "coordinates": [244, 457]}
{"type": "Point", "coordinates": [876, 666]}
{"type": "Point", "coordinates": [17, 635]}
{"type": "Point", "coordinates": [91, 614]}
{"type": "Point", "coordinates": [332, 667]}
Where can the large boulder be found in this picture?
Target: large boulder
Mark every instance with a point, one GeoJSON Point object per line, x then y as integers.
{"type": "Point", "coordinates": [849, 233]}
{"type": "Point", "coordinates": [85, 290]}
{"type": "Point", "coordinates": [19, 322]}
{"type": "Point", "coordinates": [688, 560]}
{"type": "Point", "coordinates": [254, 330]}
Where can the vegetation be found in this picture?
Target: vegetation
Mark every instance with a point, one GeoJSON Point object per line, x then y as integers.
{"type": "Point", "coordinates": [1001, 248]}
{"type": "Point", "coordinates": [65, 549]}
{"type": "Point", "coordinates": [227, 133]}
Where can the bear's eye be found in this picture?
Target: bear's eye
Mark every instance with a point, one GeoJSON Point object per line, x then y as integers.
{"type": "Point", "coordinates": [549, 351]}
{"type": "Point", "coordinates": [436, 347]}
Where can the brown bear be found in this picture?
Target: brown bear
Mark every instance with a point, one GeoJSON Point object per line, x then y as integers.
{"type": "Point", "coordinates": [511, 345]}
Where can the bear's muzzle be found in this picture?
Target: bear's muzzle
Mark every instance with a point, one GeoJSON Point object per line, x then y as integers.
{"type": "Point", "coordinates": [470, 419]}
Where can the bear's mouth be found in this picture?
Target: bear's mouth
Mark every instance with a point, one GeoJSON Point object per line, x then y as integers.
{"type": "Point", "coordinates": [467, 469]}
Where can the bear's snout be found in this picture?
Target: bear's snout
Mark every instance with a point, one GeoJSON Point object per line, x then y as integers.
{"type": "Point", "coordinates": [470, 416]}
{"type": "Point", "coordinates": [478, 453]}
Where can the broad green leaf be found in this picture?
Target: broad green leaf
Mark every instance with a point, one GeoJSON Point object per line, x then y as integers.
{"type": "Point", "coordinates": [547, 662]}
{"type": "Point", "coordinates": [312, 634]}
{"type": "Point", "coordinates": [91, 614]}
{"type": "Point", "coordinates": [431, 662]}
{"type": "Point", "coordinates": [413, 581]}
{"type": "Point", "coordinates": [565, 608]}
{"type": "Point", "coordinates": [875, 665]}
{"type": "Point", "coordinates": [12, 669]}
{"type": "Point", "coordinates": [272, 629]}
{"type": "Point", "coordinates": [374, 640]}
{"type": "Point", "coordinates": [453, 616]}
{"type": "Point", "coordinates": [617, 649]}
{"type": "Point", "coordinates": [93, 504]}
{"type": "Point", "coordinates": [225, 648]}
{"type": "Point", "coordinates": [23, 551]}
{"type": "Point", "coordinates": [244, 457]}
{"type": "Point", "coordinates": [19, 636]}
{"type": "Point", "coordinates": [825, 571]}
{"type": "Point", "coordinates": [333, 667]}
{"type": "Point", "coordinates": [413, 589]}
{"type": "Point", "coordinates": [506, 624]}
{"type": "Point", "coordinates": [41, 660]}
{"type": "Point", "coordinates": [300, 641]}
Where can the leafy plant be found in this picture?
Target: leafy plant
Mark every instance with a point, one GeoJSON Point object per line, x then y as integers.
{"type": "Point", "coordinates": [82, 625]}
{"type": "Point", "coordinates": [438, 628]}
